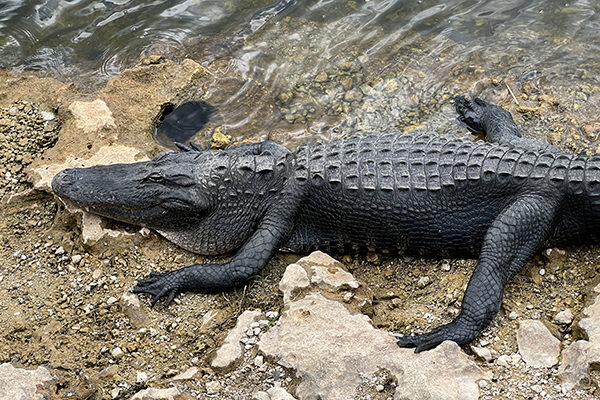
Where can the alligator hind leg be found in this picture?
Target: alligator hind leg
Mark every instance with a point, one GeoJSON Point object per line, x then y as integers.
{"type": "Point", "coordinates": [496, 124]}
{"type": "Point", "coordinates": [509, 243]}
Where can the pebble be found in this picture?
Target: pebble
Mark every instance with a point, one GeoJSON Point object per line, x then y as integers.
{"type": "Point", "coordinates": [259, 361]}
{"type": "Point", "coordinates": [564, 317]}
{"type": "Point", "coordinates": [141, 377]}
{"type": "Point", "coordinates": [504, 360]}
{"type": "Point", "coordinates": [96, 274]}
{"type": "Point", "coordinates": [423, 281]}
{"type": "Point", "coordinates": [117, 352]}
{"type": "Point", "coordinates": [513, 315]}
{"type": "Point", "coordinates": [483, 353]}
{"type": "Point", "coordinates": [213, 388]}
{"type": "Point", "coordinates": [111, 300]}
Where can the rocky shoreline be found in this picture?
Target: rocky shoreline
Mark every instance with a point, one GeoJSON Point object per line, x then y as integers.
{"type": "Point", "coordinates": [68, 322]}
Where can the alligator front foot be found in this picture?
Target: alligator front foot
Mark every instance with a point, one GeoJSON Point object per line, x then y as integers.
{"type": "Point", "coordinates": [160, 285]}
{"type": "Point", "coordinates": [457, 331]}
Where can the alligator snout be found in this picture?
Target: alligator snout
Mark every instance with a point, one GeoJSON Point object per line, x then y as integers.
{"type": "Point", "coordinates": [64, 181]}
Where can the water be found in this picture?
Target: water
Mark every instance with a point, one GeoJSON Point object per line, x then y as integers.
{"type": "Point", "coordinates": [314, 68]}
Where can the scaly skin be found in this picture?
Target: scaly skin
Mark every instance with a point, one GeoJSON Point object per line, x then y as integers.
{"type": "Point", "coordinates": [416, 193]}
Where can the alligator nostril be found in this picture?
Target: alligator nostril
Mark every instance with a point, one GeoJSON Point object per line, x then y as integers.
{"type": "Point", "coordinates": [64, 178]}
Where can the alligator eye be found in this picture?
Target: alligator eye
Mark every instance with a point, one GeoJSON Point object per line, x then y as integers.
{"type": "Point", "coordinates": [155, 177]}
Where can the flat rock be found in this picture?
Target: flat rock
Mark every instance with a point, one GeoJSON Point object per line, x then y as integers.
{"type": "Point", "coordinates": [231, 351]}
{"type": "Point", "coordinates": [22, 384]}
{"type": "Point", "coordinates": [330, 347]}
{"type": "Point", "coordinates": [537, 346]}
{"type": "Point", "coordinates": [580, 355]}
{"type": "Point", "coordinates": [92, 116]}
{"type": "Point", "coordinates": [319, 271]}
{"type": "Point", "coordinates": [157, 394]}
{"type": "Point", "coordinates": [279, 393]}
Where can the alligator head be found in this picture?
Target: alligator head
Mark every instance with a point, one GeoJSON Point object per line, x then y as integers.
{"type": "Point", "coordinates": [161, 193]}
{"type": "Point", "coordinates": [184, 195]}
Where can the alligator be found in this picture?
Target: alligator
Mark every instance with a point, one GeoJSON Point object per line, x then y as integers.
{"type": "Point", "coordinates": [414, 193]}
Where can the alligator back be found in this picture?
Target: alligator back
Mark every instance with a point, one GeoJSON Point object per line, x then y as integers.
{"type": "Point", "coordinates": [417, 193]}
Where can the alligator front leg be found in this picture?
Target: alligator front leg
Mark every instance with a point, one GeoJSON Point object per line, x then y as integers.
{"type": "Point", "coordinates": [274, 229]}
{"type": "Point", "coordinates": [510, 242]}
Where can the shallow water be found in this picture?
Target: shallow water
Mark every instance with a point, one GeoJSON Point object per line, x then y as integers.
{"type": "Point", "coordinates": [300, 68]}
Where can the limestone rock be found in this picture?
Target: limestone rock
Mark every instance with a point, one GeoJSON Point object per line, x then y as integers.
{"type": "Point", "coordinates": [580, 355]}
{"type": "Point", "coordinates": [322, 272]}
{"type": "Point", "coordinates": [22, 384]}
{"type": "Point", "coordinates": [537, 346]}
{"type": "Point", "coordinates": [92, 116]}
{"type": "Point", "coordinates": [157, 394]}
{"type": "Point", "coordinates": [564, 317]}
{"type": "Point", "coordinates": [132, 308]}
{"type": "Point", "coordinates": [279, 393]}
{"type": "Point", "coordinates": [231, 351]}
{"type": "Point", "coordinates": [331, 348]}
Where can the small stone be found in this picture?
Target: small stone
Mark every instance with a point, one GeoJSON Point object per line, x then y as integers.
{"type": "Point", "coordinates": [213, 388]}
{"type": "Point", "coordinates": [483, 384]}
{"type": "Point", "coordinates": [156, 394]}
{"type": "Point", "coordinates": [60, 251]}
{"type": "Point", "coordinates": [111, 300]}
{"type": "Point", "coordinates": [47, 116]}
{"type": "Point", "coordinates": [259, 361]}
{"type": "Point", "coordinates": [96, 274]}
{"type": "Point", "coordinates": [187, 374]}
{"type": "Point", "coordinates": [379, 388]}
{"type": "Point", "coordinates": [279, 393]}
{"type": "Point", "coordinates": [483, 353]}
{"type": "Point", "coordinates": [321, 77]}
{"type": "Point", "coordinates": [117, 352]}
{"type": "Point", "coordinates": [513, 315]}
{"type": "Point", "coordinates": [132, 308]}
{"type": "Point", "coordinates": [564, 317]}
{"type": "Point", "coordinates": [504, 360]}
{"type": "Point", "coordinates": [76, 258]}
{"type": "Point", "coordinates": [271, 314]}
{"type": "Point", "coordinates": [423, 281]}
{"type": "Point", "coordinates": [141, 377]}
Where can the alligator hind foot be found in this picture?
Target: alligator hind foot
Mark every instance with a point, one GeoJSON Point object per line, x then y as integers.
{"type": "Point", "coordinates": [460, 331]}
{"type": "Point", "coordinates": [486, 119]}
{"type": "Point", "coordinates": [497, 124]}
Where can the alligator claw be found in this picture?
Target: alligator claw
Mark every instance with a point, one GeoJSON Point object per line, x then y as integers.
{"type": "Point", "coordinates": [459, 331]}
{"type": "Point", "coordinates": [421, 343]}
{"type": "Point", "coordinates": [159, 285]}
{"type": "Point", "coordinates": [470, 112]}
